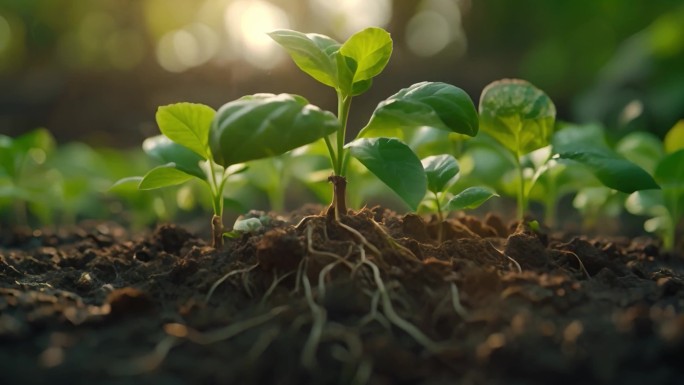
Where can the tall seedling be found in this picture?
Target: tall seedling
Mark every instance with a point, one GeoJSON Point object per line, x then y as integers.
{"type": "Point", "coordinates": [349, 69]}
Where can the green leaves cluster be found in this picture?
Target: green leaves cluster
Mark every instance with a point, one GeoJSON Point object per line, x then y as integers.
{"type": "Point", "coordinates": [349, 68]}
{"type": "Point", "coordinates": [200, 143]}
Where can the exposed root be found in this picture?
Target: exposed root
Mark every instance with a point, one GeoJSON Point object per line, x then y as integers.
{"type": "Point", "coordinates": [228, 275]}
{"type": "Point", "coordinates": [147, 362]}
{"type": "Point", "coordinates": [392, 242]}
{"type": "Point", "coordinates": [336, 257]}
{"type": "Point", "coordinates": [515, 263]}
{"type": "Point", "coordinates": [274, 284]}
{"type": "Point", "coordinates": [581, 265]}
{"type": "Point", "coordinates": [319, 317]}
{"type": "Point", "coordinates": [456, 302]}
{"type": "Point", "coordinates": [361, 239]}
{"type": "Point", "coordinates": [374, 315]}
{"type": "Point", "coordinates": [177, 332]}
{"type": "Point", "coordinates": [391, 315]}
{"type": "Point", "coordinates": [262, 343]}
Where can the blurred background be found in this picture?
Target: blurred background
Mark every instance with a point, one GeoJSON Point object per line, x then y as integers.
{"type": "Point", "coordinates": [95, 71]}
{"type": "Point", "coordinates": [92, 74]}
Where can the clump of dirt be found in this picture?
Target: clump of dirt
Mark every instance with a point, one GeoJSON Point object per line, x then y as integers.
{"type": "Point", "coordinates": [374, 298]}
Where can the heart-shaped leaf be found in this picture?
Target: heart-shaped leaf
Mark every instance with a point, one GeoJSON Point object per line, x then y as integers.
{"type": "Point", "coordinates": [470, 198]}
{"type": "Point", "coordinates": [437, 105]}
{"type": "Point", "coordinates": [264, 125]}
{"type": "Point", "coordinates": [440, 171]}
{"type": "Point", "coordinates": [312, 53]}
{"type": "Point", "coordinates": [187, 124]}
{"type": "Point", "coordinates": [517, 114]}
{"type": "Point", "coordinates": [362, 57]}
{"type": "Point", "coordinates": [394, 164]}
{"type": "Point", "coordinates": [163, 176]}
{"type": "Point", "coordinates": [167, 151]}
{"type": "Point", "coordinates": [612, 170]}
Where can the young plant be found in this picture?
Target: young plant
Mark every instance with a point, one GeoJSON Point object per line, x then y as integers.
{"type": "Point", "coordinates": [665, 206]}
{"type": "Point", "coordinates": [349, 69]}
{"type": "Point", "coordinates": [521, 118]}
{"type": "Point", "coordinates": [198, 142]}
{"type": "Point", "coordinates": [441, 172]}
{"type": "Point", "coordinates": [27, 181]}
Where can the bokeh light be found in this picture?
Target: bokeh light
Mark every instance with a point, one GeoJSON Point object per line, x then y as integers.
{"type": "Point", "coordinates": [348, 16]}
{"type": "Point", "coordinates": [247, 23]}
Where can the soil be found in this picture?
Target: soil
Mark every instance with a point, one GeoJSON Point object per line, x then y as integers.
{"type": "Point", "coordinates": [374, 298]}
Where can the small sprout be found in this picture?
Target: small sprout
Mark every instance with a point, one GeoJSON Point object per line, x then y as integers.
{"type": "Point", "coordinates": [197, 142]}
{"type": "Point", "coordinates": [441, 172]}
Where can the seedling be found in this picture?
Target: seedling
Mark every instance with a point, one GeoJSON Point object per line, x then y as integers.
{"type": "Point", "coordinates": [665, 206]}
{"type": "Point", "coordinates": [27, 184]}
{"type": "Point", "coordinates": [198, 142]}
{"type": "Point", "coordinates": [521, 118]}
{"type": "Point", "coordinates": [349, 69]}
{"type": "Point", "coordinates": [441, 172]}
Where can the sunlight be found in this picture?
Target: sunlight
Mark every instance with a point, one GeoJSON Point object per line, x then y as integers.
{"type": "Point", "coordinates": [349, 16]}
{"type": "Point", "coordinates": [247, 23]}
{"type": "Point", "coordinates": [436, 25]}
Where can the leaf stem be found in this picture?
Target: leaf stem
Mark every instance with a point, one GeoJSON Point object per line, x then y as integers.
{"type": "Point", "coordinates": [521, 189]}
{"type": "Point", "coordinates": [343, 107]}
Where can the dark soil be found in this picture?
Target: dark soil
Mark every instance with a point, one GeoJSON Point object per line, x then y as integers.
{"type": "Point", "coordinates": [319, 303]}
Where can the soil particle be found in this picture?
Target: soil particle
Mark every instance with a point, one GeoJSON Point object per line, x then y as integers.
{"type": "Point", "coordinates": [128, 301]}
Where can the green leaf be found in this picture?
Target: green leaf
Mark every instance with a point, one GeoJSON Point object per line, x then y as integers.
{"type": "Point", "coordinates": [642, 148]}
{"type": "Point", "coordinates": [670, 170]}
{"type": "Point", "coordinates": [362, 57]}
{"type": "Point", "coordinates": [517, 114]}
{"type": "Point", "coordinates": [437, 105]}
{"type": "Point", "coordinates": [440, 171]}
{"type": "Point", "coordinates": [470, 198]}
{"type": "Point", "coordinates": [166, 151]}
{"type": "Point", "coordinates": [312, 53]}
{"type": "Point", "coordinates": [612, 170]}
{"type": "Point", "coordinates": [163, 176]}
{"type": "Point", "coordinates": [395, 164]}
{"type": "Point", "coordinates": [674, 139]}
{"type": "Point", "coordinates": [187, 124]}
{"type": "Point", "coordinates": [264, 125]}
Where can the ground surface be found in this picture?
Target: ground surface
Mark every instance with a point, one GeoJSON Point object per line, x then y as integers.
{"type": "Point", "coordinates": [323, 304]}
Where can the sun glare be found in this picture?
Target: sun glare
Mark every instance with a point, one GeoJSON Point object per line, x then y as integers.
{"type": "Point", "coordinates": [247, 23]}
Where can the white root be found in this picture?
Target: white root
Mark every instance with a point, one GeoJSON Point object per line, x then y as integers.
{"type": "Point", "coordinates": [392, 316]}
{"type": "Point", "coordinates": [228, 275]}
{"type": "Point", "coordinates": [456, 302]}
{"type": "Point", "coordinates": [319, 314]}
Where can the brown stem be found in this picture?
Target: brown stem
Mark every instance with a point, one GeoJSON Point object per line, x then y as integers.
{"type": "Point", "coordinates": [339, 205]}
{"type": "Point", "coordinates": [217, 231]}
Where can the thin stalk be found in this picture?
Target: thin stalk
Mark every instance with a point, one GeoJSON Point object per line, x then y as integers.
{"type": "Point", "coordinates": [216, 188]}
{"type": "Point", "coordinates": [331, 151]}
{"type": "Point", "coordinates": [440, 218]}
{"type": "Point", "coordinates": [343, 107]}
{"type": "Point", "coordinates": [521, 190]}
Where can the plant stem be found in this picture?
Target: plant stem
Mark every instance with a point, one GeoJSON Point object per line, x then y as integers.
{"type": "Point", "coordinates": [216, 188]}
{"type": "Point", "coordinates": [521, 190]}
{"type": "Point", "coordinates": [338, 206]}
{"type": "Point", "coordinates": [343, 107]}
{"type": "Point", "coordinates": [338, 180]}
{"type": "Point", "coordinates": [440, 218]}
{"type": "Point", "coordinates": [439, 208]}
